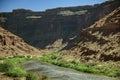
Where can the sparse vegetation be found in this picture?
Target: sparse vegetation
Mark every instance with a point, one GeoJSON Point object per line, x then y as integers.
{"type": "Point", "coordinates": [66, 13]}
{"type": "Point", "coordinates": [31, 76]}
{"type": "Point", "coordinates": [33, 17]}
{"type": "Point", "coordinates": [80, 12]}
{"type": "Point", "coordinates": [56, 59]}
{"type": "Point", "coordinates": [3, 19]}
{"type": "Point", "coordinates": [11, 67]}
{"type": "Point", "coordinates": [69, 13]}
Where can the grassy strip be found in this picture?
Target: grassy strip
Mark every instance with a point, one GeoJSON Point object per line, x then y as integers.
{"type": "Point", "coordinates": [11, 67]}
{"type": "Point", "coordinates": [56, 59]}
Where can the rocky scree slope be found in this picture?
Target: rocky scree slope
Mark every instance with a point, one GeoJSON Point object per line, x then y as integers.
{"type": "Point", "coordinates": [12, 45]}
{"type": "Point", "coordinates": [42, 29]}
{"type": "Point", "coordinates": [101, 41]}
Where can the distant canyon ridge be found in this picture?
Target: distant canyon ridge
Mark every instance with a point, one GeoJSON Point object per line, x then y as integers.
{"type": "Point", "coordinates": [64, 25]}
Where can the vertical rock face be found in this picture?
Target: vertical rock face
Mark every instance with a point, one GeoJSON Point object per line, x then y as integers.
{"type": "Point", "coordinates": [101, 41]}
{"type": "Point", "coordinates": [11, 45]}
{"type": "Point", "coordinates": [41, 29]}
{"type": "Point", "coordinates": [64, 28]}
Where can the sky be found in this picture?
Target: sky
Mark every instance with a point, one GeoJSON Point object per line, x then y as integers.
{"type": "Point", "coordinates": [42, 5]}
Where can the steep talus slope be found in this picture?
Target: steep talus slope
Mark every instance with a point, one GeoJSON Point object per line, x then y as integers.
{"type": "Point", "coordinates": [42, 29]}
{"type": "Point", "coordinates": [11, 45]}
{"type": "Point", "coordinates": [101, 41]}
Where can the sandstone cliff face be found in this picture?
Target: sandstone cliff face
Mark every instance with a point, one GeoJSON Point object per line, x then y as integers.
{"type": "Point", "coordinates": [101, 41]}
{"type": "Point", "coordinates": [7, 39]}
{"type": "Point", "coordinates": [11, 45]}
{"type": "Point", "coordinates": [41, 29]}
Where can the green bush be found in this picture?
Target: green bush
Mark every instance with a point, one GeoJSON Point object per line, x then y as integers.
{"type": "Point", "coordinates": [2, 67]}
{"type": "Point", "coordinates": [16, 72]}
{"type": "Point", "coordinates": [2, 58]}
{"type": "Point", "coordinates": [32, 76]}
{"type": "Point", "coordinates": [50, 57]}
{"type": "Point", "coordinates": [54, 56]}
{"type": "Point", "coordinates": [12, 67]}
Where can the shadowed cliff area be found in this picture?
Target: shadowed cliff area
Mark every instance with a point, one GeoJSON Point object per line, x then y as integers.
{"type": "Point", "coordinates": [100, 41]}
{"type": "Point", "coordinates": [84, 38]}
{"type": "Point", "coordinates": [12, 45]}
{"type": "Point", "coordinates": [55, 28]}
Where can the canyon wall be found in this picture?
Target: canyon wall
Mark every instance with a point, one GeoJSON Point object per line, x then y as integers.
{"type": "Point", "coordinates": [41, 29]}
{"type": "Point", "coordinates": [100, 41]}
{"type": "Point", "coordinates": [12, 45]}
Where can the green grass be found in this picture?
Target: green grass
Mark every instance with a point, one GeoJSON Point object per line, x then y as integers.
{"type": "Point", "coordinates": [56, 59]}
{"type": "Point", "coordinates": [31, 76]}
{"type": "Point", "coordinates": [11, 67]}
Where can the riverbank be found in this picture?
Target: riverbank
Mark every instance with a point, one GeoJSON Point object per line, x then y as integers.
{"type": "Point", "coordinates": [61, 73]}
{"type": "Point", "coordinates": [11, 69]}
{"type": "Point", "coordinates": [103, 68]}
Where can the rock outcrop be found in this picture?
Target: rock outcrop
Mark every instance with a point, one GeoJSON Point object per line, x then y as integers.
{"type": "Point", "coordinates": [101, 41]}
{"type": "Point", "coordinates": [12, 45]}
{"type": "Point", "coordinates": [7, 39]}
{"type": "Point", "coordinates": [64, 29]}
{"type": "Point", "coordinates": [41, 29]}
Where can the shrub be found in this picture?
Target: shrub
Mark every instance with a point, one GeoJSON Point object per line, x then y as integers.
{"type": "Point", "coordinates": [16, 72]}
{"type": "Point", "coordinates": [13, 69]}
{"type": "Point", "coordinates": [32, 76]}
{"type": "Point", "coordinates": [2, 67]}
{"type": "Point", "coordinates": [50, 57]}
